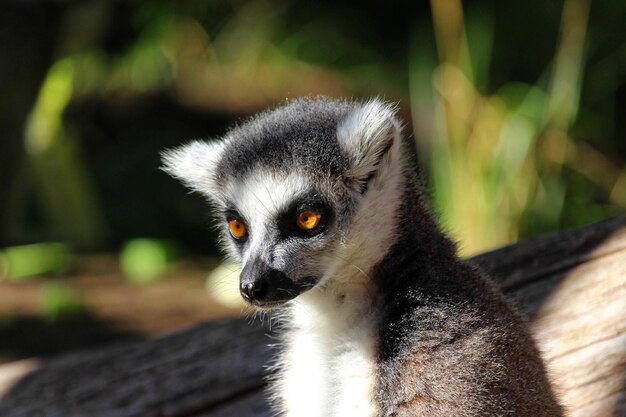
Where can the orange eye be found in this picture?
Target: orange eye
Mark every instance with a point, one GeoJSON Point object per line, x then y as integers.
{"type": "Point", "coordinates": [308, 220]}
{"type": "Point", "coordinates": [237, 228]}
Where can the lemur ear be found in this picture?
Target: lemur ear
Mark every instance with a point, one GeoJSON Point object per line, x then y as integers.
{"type": "Point", "coordinates": [194, 164]}
{"type": "Point", "coordinates": [366, 136]}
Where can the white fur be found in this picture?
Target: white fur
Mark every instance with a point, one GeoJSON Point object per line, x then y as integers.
{"type": "Point", "coordinates": [365, 133]}
{"type": "Point", "coordinates": [329, 367]}
{"type": "Point", "coordinates": [373, 229]}
{"type": "Point", "coordinates": [195, 164]}
{"type": "Point", "coordinates": [260, 197]}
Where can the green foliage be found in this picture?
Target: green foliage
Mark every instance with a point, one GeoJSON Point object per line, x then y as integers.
{"type": "Point", "coordinates": [515, 106]}
{"type": "Point", "coordinates": [70, 204]}
{"type": "Point", "coordinates": [147, 260]}
{"type": "Point", "coordinates": [62, 302]}
{"type": "Point", "coordinates": [509, 164]}
{"type": "Point", "coordinates": [20, 263]}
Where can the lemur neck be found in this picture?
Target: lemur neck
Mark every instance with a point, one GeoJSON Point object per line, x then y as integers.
{"type": "Point", "coordinates": [405, 243]}
{"type": "Point", "coordinates": [394, 232]}
{"type": "Point", "coordinates": [422, 254]}
{"type": "Point", "coordinates": [338, 306]}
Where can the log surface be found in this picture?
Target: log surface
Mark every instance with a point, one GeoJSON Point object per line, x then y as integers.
{"type": "Point", "coordinates": [572, 285]}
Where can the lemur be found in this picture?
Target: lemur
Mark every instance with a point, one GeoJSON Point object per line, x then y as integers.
{"type": "Point", "coordinates": [321, 202]}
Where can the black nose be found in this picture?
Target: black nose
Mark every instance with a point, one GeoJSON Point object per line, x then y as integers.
{"type": "Point", "coordinates": [258, 282]}
{"type": "Point", "coordinates": [254, 291]}
{"type": "Point", "coordinates": [263, 285]}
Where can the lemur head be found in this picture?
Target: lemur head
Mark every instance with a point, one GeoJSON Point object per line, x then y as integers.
{"type": "Point", "coordinates": [306, 193]}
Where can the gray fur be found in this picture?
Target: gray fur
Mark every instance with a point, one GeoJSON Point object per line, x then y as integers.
{"type": "Point", "coordinates": [447, 343]}
{"type": "Point", "coordinates": [302, 135]}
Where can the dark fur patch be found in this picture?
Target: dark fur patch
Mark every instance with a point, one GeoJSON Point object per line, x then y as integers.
{"type": "Point", "coordinates": [302, 134]}
{"type": "Point", "coordinates": [449, 342]}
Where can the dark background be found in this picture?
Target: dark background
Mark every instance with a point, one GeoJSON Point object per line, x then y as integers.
{"type": "Point", "coordinates": [146, 75]}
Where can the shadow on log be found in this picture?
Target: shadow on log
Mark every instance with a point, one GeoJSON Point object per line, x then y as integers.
{"type": "Point", "coordinates": [572, 285]}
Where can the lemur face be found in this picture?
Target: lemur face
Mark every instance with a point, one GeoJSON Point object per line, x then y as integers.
{"type": "Point", "coordinates": [281, 226]}
{"type": "Point", "coordinates": [298, 190]}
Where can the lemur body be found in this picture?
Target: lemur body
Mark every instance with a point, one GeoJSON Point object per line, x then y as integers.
{"type": "Point", "coordinates": [323, 206]}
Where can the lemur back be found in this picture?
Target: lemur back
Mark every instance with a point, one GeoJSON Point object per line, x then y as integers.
{"type": "Point", "coordinates": [321, 203]}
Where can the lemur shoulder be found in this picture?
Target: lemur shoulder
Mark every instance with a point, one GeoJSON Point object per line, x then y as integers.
{"type": "Point", "coordinates": [321, 203]}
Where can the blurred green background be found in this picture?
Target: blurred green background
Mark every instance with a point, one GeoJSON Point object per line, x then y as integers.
{"type": "Point", "coordinates": [518, 110]}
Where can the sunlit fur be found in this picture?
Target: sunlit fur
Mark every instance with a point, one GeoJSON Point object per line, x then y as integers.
{"type": "Point", "coordinates": [392, 323]}
{"type": "Point", "coordinates": [332, 343]}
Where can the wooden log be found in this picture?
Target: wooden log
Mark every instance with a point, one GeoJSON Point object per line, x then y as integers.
{"type": "Point", "coordinates": [572, 285]}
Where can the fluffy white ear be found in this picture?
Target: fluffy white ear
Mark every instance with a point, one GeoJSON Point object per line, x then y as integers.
{"type": "Point", "coordinates": [194, 164]}
{"type": "Point", "coordinates": [366, 136]}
